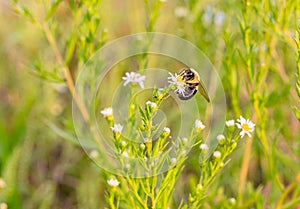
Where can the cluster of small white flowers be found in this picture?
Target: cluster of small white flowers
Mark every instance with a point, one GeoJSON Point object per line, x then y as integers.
{"type": "Point", "coordinates": [113, 182]}
{"type": "Point", "coordinates": [107, 112]}
{"type": "Point", "coordinates": [117, 128]}
{"type": "Point", "coordinates": [134, 77]}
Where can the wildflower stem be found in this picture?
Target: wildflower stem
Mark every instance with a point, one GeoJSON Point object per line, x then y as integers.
{"type": "Point", "coordinates": [68, 75]}
{"type": "Point", "coordinates": [244, 169]}
{"type": "Point", "coordinates": [287, 191]}
{"type": "Point", "coordinates": [134, 188]}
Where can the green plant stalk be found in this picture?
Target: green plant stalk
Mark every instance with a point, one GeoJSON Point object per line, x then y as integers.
{"type": "Point", "coordinates": [287, 191]}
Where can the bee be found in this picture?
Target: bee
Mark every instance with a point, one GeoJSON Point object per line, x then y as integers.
{"type": "Point", "coordinates": [190, 84]}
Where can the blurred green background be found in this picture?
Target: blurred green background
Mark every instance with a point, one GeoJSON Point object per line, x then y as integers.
{"type": "Point", "coordinates": [253, 43]}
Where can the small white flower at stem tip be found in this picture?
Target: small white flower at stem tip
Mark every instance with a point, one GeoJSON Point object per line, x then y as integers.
{"type": "Point", "coordinates": [117, 128]}
{"type": "Point", "coordinates": [199, 125]}
{"type": "Point", "coordinates": [221, 139]}
{"type": "Point", "coordinates": [107, 112]}
{"type": "Point", "coordinates": [134, 77]}
{"type": "Point", "coordinates": [246, 126]}
{"type": "Point", "coordinates": [217, 154]}
{"type": "Point", "coordinates": [229, 123]}
{"type": "Point", "coordinates": [203, 146]}
{"type": "Point", "coordinates": [167, 130]}
{"type": "Point", "coordinates": [113, 182]}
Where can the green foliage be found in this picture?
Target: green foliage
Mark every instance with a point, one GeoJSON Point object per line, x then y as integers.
{"type": "Point", "coordinates": [252, 45]}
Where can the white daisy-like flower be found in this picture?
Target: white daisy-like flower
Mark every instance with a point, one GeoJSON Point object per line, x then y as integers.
{"type": "Point", "coordinates": [246, 125]}
{"type": "Point", "coordinates": [117, 128]}
{"type": "Point", "coordinates": [151, 104]}
{"type": "Point", "coordinates": [134, 77]}
{"type": "Point", "coordinates": [107, 112]}
{"type": "Point", "coordinates": [127, 165]}
{"type": "Point", "coordinates": [199, 125]}
{"type": "Point", "coordinates": [173, 79]}
{"type": "Point", "coordinates": [217, 154]}
{"type": "Point", "coordinates": [229, 123]}
{"type": "Point", "coordinates": [181, 12]}
{"type": "Point", "coordinates": [113, 182]}
{"type": "Point", "coordinates": [203, 146]}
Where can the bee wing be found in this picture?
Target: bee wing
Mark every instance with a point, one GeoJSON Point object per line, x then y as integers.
{"type": "Point", "coordinates": [187, 94]}
{"type": "Point", "coordinates": [203, 91]}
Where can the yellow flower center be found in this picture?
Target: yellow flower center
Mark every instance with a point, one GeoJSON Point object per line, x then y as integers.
{"type": "Point", "coordinates": [246, 127]}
